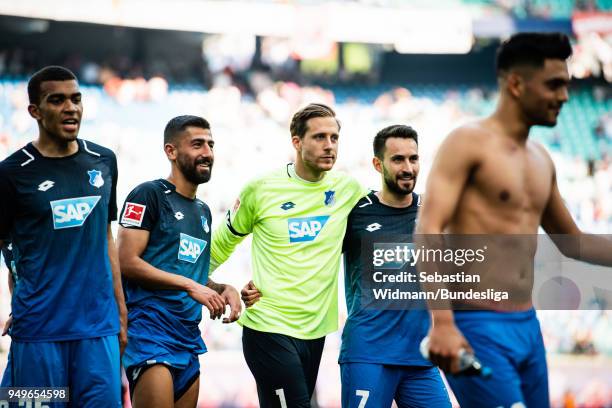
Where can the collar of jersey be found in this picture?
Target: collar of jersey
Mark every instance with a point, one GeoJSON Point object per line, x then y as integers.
{"type": "Point", "coordinates": [169, 186]}
{"type": "Point", "coordinates": [292, 174]}
{"type": "Point", "coordinates": [33, 150]}
{"type": "Point", "coordinates": [415, 200]}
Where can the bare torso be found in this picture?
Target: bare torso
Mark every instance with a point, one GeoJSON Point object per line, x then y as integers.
{"type": "Point", "coordinates": [504, 198]}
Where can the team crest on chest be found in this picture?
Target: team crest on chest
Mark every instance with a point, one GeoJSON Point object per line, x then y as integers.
{"type": "Point", "coordinates": [95, 178]}
{"type": "Point", "coordinates": [330, 198]}
{"type": "Point", "coordinates": [205, 224]}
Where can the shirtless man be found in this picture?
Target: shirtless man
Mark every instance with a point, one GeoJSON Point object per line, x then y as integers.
{"type": "Point", "coordinates": [489, 178]}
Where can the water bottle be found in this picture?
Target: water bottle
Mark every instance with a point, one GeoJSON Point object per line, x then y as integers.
{"type": "Point", "coordinates": [468, 363]}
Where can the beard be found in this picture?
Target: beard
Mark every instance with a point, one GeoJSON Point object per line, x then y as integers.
{"type": "Point", "coordinates": [393, 185]}
{"type": "Point", "coordinates": [538, 114]}
{"type": "Point", "coordinates": [191, 172]}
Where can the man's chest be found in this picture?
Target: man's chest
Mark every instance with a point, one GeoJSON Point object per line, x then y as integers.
{"type": "Point", "coordinates": [295, 217]}
{"type": "Point", "coordinates": [516, 182]}
{"type": "Point", "coordinates": [67, 194]}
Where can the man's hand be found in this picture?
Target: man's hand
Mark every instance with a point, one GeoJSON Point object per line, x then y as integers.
{"type": "Point", "coordinates": [250, 294]}
{"type": "Point", "coordinates": [209, 298]}
{"type": "Point", "coordinates": [123, 338]}
{"type": "Point", "coordinates": [445, 344]}
{"type": "Point", "coordinates": [7, 325]}
{"type": "Point", "coordinates": [232, 299]}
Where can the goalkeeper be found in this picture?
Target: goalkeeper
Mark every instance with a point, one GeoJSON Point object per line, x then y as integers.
{"type": "Point", "coordinates": [297, 216]}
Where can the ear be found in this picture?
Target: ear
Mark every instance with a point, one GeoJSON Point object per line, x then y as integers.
{"type": "Point", "coordinates": [515, 83]}
{"type": "Point", "coordinates": [171, 151]}
{"type": "Point", "coordinates": [377, 164]}
{"type": "Point", "coordinates": [296, 141]}
{"type": "Point", "coordinates": [34, 111]}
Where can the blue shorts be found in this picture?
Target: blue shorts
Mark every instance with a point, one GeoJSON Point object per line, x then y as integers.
{"type": "Point", "coordinates": [366, 385]}
{"type": "Point", "coordinates": [511, 345]}
{"type": "Point", "coordinates": [182, 377]}
{"type": "Point", "coordinates": [90, 368]}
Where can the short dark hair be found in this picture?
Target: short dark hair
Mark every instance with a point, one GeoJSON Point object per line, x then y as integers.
{"type": "Point", "coordinates": [178, 124]}
{"type": "Point", "coordinates": [402, 131]}
{"type": "Point", "coordinates": [50, 73]}
{"type": "Point", "coordinates": [531, 49]}
{"type": "Point", "coordinates": [298, 125]}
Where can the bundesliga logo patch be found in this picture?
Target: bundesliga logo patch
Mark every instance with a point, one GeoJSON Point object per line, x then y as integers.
{"type": "Point", "coordinates": [133, 214]}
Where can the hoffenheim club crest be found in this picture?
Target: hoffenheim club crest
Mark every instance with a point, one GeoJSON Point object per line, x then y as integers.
{"type": "Point", "coordinates": [205, 224]}
{"type": "Point", "coordinates": [95, 178]}
{"type": "Point", "coordinates": [330, 198]}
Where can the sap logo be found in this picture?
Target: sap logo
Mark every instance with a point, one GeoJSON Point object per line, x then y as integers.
{"type": "Point", "coordinates": [190, 248]}
{"type": "Point", "coordinates": [305, 229]}
{"type": "Point", "coordinates": [72, 212]}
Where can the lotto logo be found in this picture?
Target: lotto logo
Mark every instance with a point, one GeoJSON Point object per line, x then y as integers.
{"type": "Point", "coordinates": [72, 212]}
{"type": "Point", "coordinates": [133, 214]}
{"type": "Point", "coordinates": [190, 248]}
{"type": "Point", "coordinates": [305, 229]}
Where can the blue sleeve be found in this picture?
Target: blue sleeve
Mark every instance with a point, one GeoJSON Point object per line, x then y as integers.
{"type": "Point", "coordinates": [7, 254]}
{"type": "Point", "coordinates": [7, 205]}
{"type": "Point", "coordinates": [141, 208]}
{"type": "Point", "coordinates": [347, 233]}
{"type": "Point", "coordinates": [112, 202]}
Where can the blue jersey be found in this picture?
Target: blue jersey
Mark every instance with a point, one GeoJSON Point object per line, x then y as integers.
{"type": "Point", "coordinates": [55, 212]}
{"type": "Point", "coordinates": [7, 255]}
{"type": "Point", "coordinates": [179, 243]}
{"type": "Point", "coordinates": [370, 335]}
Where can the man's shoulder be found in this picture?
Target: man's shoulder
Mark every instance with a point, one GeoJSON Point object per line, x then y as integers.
{"type": "Point", "coordinates": [203, 205]}
{"type": "Point", "coordinates": [150, 188]}
{"type": "Point", "coordinates": [340, 176]}
{"type": "Point", "coordinates": [267, 180]}
{"type": "Point", "coordinates": [96, 150]}
{"type": "Point", "coordinates": [476, 131]}
{"type": "Point", "coordinates": [347, 186]}
{"type": "Point", "coordinates": [365, 203]}
{"type": "Point", "coordinates": [18, 159]}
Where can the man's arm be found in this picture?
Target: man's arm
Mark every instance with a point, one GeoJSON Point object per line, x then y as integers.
{"type": "Point", "coordinates": [9, 321]}
{"type": "Point", "coordinates": [231, 298]}
{"type": "Point", "coordinates": [573, 243]}
{"type": "Point", "coordinates": [452, 165]}
{"type": "Point", "coordinates": [225, 239]}
{"type": "Point", "coordinates": [239, 223]}
{"type": "Point", "coordinates": [117, 288]}
{"type": "Point", "coordinates": [131, 245]}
